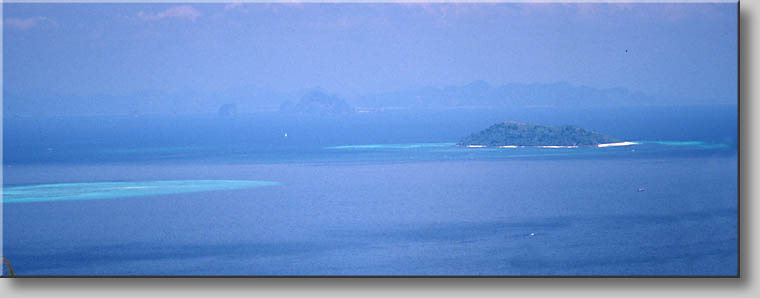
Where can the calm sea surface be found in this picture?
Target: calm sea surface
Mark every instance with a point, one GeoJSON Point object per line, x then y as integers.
{"type": "Point", "coordinates": [405, 201]}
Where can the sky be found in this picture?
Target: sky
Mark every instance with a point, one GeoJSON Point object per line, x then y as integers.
{"type": "Point", "coordinates": [684, 50]}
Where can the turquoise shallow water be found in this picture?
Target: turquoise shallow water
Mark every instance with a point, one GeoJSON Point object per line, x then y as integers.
{"type": "Point", "coordinates": [113, 190]}
{"type": "Point", "coordinates": [449, 151]}
{"type": "Point", "coordinates": [155, 149]}
{"type": "Point", "coordinates": [698, 144]}
{"type": "Point", "coordinates": [380, 194]}
{"type": "Point", "coordinates": [439, 146]}
{"type": "Point", "coordinates": [521, 216]}
{"type": "Point", "coordinates": [395, 146]}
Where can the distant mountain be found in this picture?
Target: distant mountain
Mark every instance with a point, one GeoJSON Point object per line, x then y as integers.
{"type": "Point", "coordinates": [142, 102]}
{"type": "Point", "coordinates": [512, 133]}
{"type": "Point", "coordinates": [317, 102]}
{"type": "Point", "coordinates": [247, 99]}
{"type": "Point", "coordinates": [483, 94]}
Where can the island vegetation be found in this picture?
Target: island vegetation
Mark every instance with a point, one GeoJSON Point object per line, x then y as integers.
{"type": "Point", "coordinates": [511, 133]}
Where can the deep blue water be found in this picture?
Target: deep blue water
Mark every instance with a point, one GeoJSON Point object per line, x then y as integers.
{"type": "Point", "coordinates": [409, 208]}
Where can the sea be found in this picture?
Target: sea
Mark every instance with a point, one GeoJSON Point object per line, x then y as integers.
{"type": "Point", "coordinates": [382, 193]}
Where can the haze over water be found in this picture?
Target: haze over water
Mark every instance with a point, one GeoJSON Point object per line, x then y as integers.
{"type": "Point", "coordinates": [167, 157]}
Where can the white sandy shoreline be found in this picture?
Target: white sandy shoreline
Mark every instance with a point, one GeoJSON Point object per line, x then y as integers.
{"type": "Point", "coordinates": [618, 144]}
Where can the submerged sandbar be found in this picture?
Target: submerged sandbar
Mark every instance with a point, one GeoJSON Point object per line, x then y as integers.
{"type": "Point", "coordinates": [119, 189]}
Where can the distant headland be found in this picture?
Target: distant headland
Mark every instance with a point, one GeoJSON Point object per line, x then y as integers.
{"type": "Point", "coordinates": [516, 134]}
{"type": "Point", "coordinates": [317, 103]}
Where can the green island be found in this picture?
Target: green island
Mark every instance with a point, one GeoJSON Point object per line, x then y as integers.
{"type": "Point", "coordinates": [511, 133]}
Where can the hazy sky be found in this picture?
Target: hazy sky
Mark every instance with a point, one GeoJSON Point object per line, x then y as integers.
{"type": "Point", "coordinates": [81, 49]}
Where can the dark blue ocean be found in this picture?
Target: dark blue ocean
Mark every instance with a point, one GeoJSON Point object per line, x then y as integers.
{"type": "Point", "coordinates": [382, 193]}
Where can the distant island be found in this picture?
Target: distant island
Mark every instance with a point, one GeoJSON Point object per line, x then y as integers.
{"type": "Point", "coordinates": [517, 134]}
{"type": "Point", "coordinates": [317, 103]}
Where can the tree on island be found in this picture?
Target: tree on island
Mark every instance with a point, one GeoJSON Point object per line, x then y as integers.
{"type": "Point", "coordinates": [511, 133]}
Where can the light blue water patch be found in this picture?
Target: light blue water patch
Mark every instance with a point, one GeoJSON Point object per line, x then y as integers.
{"type": "Point", "coordinates": [439, 146]}
{"type": "Point", "coordinates": [673, 143]}
{"type": "Point", "coordinates": [687, 143]}
{"type": "Point", "coordinates": [113, 190]}
{"type": "Point", "coordinates": [450, 151]}
{"type": "Point", "coordinates": [435, 147]}
{"type": "Point", "coordinates": [394, 146]}
{"type": "Point", "coordinates": [154, 149]}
